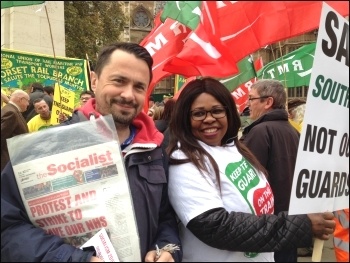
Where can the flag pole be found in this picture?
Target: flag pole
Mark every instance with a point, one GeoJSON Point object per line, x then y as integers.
{"type": "Point", "coordinates": [54, 57]}
{"type": "Point", "coordinates": [89, 68]}
{"type": "Point", "coordinates": [284, 74]}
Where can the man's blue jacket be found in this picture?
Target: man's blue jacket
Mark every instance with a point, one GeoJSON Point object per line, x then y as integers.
{"type": "Point", "coordinates": [146, 168]}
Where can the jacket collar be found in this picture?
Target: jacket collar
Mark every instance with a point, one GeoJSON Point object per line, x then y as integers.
{"type": "Point", "coordinates": [146, 131]}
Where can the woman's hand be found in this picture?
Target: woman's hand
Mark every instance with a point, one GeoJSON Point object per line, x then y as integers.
{"type": "Point", "coordinates": [323, 225]}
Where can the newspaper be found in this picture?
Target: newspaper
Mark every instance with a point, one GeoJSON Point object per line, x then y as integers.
{"type": "Point", "coordinates": [103, 246]}
{"type": "Point", "coordinates": [73, 183]}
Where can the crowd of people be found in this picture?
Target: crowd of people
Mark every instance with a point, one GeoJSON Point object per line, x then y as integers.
{"type": "Point", "coordinates": [194, 181]}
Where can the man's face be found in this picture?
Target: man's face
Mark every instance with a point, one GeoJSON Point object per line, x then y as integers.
{"type": "Point", "coordinates": [257, 106]}
{"type": "Point", "coordinates": [24, 102]}
{"type": "Point", "coordinates": [121, 88]}
{"type": "Point", "coordinates": [42, 108]}
{"type": "Point", "coordinates": [84, 98]}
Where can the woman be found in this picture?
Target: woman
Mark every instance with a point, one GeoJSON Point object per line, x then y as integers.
{"type": "Point", "coordinates": [219, 189]}
{"type": "Point", "coordinates": [163, 123]}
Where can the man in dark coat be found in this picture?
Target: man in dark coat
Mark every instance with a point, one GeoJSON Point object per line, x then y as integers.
{"type": "Point", "coordinates": [274, 141]}
{"type": "Point", "coordinates": [36, 92]}
{"type": "Point", "coordinates": [12, 121]}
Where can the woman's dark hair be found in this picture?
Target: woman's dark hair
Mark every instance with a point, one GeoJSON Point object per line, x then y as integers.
{"type": "Point", "coordinates": [180, 126]}
{"type": "Point", "coordinates": [132, 48]}
{"type": "Point", "coordinates": [168, 109]}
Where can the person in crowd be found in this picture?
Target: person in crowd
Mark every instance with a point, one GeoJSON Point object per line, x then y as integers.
{"type": "Point", "coordinates": [43, 118]}
{"type": "Point", "coordinates": [85, 96]}
{"type": "Point", "coordinates": [12, 121]}
{"type": "Point", "coordinates": [162, 123]}
{"type": "Point", "coordinates": [150, 102]}
{"type": "Point", "coordinates": [166, 97]}
{"type": "Point", "coordinates": [341, 235]}
{"type": "Point", "coordinates": [122, 75]}
{"type": "Point", "coordinates": [274, 141]}
{"type": "Point", "coordinates": [219, 189]}
{"type": "Point", "coordinates": [4, 99]}
{"type": "Point", "coordinates": [49, 90]}
{"type": "Point", "coordinates": [36, 92]}
{"type": "Point", "coordinates": [156, 112]}
{"type": "Point", "coordinates": [296, 110]}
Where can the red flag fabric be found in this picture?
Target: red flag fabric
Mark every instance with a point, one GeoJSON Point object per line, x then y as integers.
{"type": "Point", "coordinates": [258, 64]}
{"type": "Point", "coordinates": [204, 54]}
{"type": "Point", "coordinates": [245, 27]}
{"type": "Point", "coordinates": [241, 93]}
{"type": "Point", "coordinates": [163, 43]}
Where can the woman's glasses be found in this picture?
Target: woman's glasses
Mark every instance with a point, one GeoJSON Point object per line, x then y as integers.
{"type": "Point", "coordinates": [217, 113]}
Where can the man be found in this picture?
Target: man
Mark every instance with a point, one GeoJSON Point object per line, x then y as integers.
{"type": "Point", "coordinates": [12, 121]}
{"type": "Point", "coordinates": [296, 111]}
{"type": "Point", "coordinates": [274, 141]}
{"type": "Point", "coordinates": [121, 78]}
{"type": "Point", "coordinates": [150, 102]}
{"type": "Point", "coordinates": [36, 92]}
{"type": "Point", "coordinates": [49, 90]}
{"type": "Point", "coordinates": [43, 118]}
{"type": "Point", "coordinates": [85, 96]}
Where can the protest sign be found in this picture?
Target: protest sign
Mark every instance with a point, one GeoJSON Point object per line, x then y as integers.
{"type": "Point", "coordinates": [19, 69]}
{"type": "Point", "coordinates": [321, 176]}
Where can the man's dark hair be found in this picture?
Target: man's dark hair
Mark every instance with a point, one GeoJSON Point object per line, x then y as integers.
{"type": "Point", "coordinates": [38, 100]}
{"type": "Point", "coordinates": [49, 89]}
{"type": "Point", "coordinates": [37, 86]}
{"type": "Point", "coordinates": [131, 48]}
{"type": "Point", "coordinates": [87, 92]}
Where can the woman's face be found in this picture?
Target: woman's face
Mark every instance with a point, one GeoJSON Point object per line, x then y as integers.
{"type": "Point", "coordinates": [206, 127]}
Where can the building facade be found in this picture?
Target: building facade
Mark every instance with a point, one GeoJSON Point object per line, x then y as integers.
{"type": "Point", "coordinates": [139, 23]}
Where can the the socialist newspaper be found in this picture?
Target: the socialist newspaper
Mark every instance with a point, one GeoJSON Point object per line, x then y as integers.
{"type": "Point", "coordinates": [75, 188]}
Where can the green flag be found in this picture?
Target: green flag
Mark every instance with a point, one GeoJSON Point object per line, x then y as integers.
{"type": "Point", "coordinates": [7, 4]}
{"type": "Point", "coordinates": [293, 69]}
{"type": "Point", "coordinates": [186, 12]}
{"type": "Point", "coordinates": [246, 73]}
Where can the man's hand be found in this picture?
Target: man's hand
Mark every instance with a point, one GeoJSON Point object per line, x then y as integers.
{"type": "Point", "coordinates": [164, 257]}
{"type": "Point", "coordinates": [62, 117]}
{"type": "Point", "coordinates": [95, 259]}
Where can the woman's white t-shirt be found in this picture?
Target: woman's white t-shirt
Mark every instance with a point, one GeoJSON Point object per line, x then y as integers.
{"type": "Point", "coordinates": [191, 193]}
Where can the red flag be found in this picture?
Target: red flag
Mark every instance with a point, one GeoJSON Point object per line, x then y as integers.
{"type": "Point", "coordinates": [163, 43]}
{"type": "Point", "coordinates": [204, 54]}
{"type": "Point", "coordinates": [258, 64]}
{"type": "Point", "coordinates": [245, 27]}
{"type": "Point", "coordinates": [241, 93]}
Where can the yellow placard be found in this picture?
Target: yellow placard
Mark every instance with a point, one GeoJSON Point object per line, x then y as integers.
{"type": "Point", "coordinates": [63, 101]}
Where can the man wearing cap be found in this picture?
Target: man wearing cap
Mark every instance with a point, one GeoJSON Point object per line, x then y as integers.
{"type": "Point", "coordinates": [296, 111]}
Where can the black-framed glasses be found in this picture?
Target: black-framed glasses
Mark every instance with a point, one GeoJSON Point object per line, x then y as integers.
{"type": "Point", "coordinates": [217, 113]}
{"type": "Point", "coordinates": [25, 99]}
{"type": "Point", "coordinates": [262, 97]}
